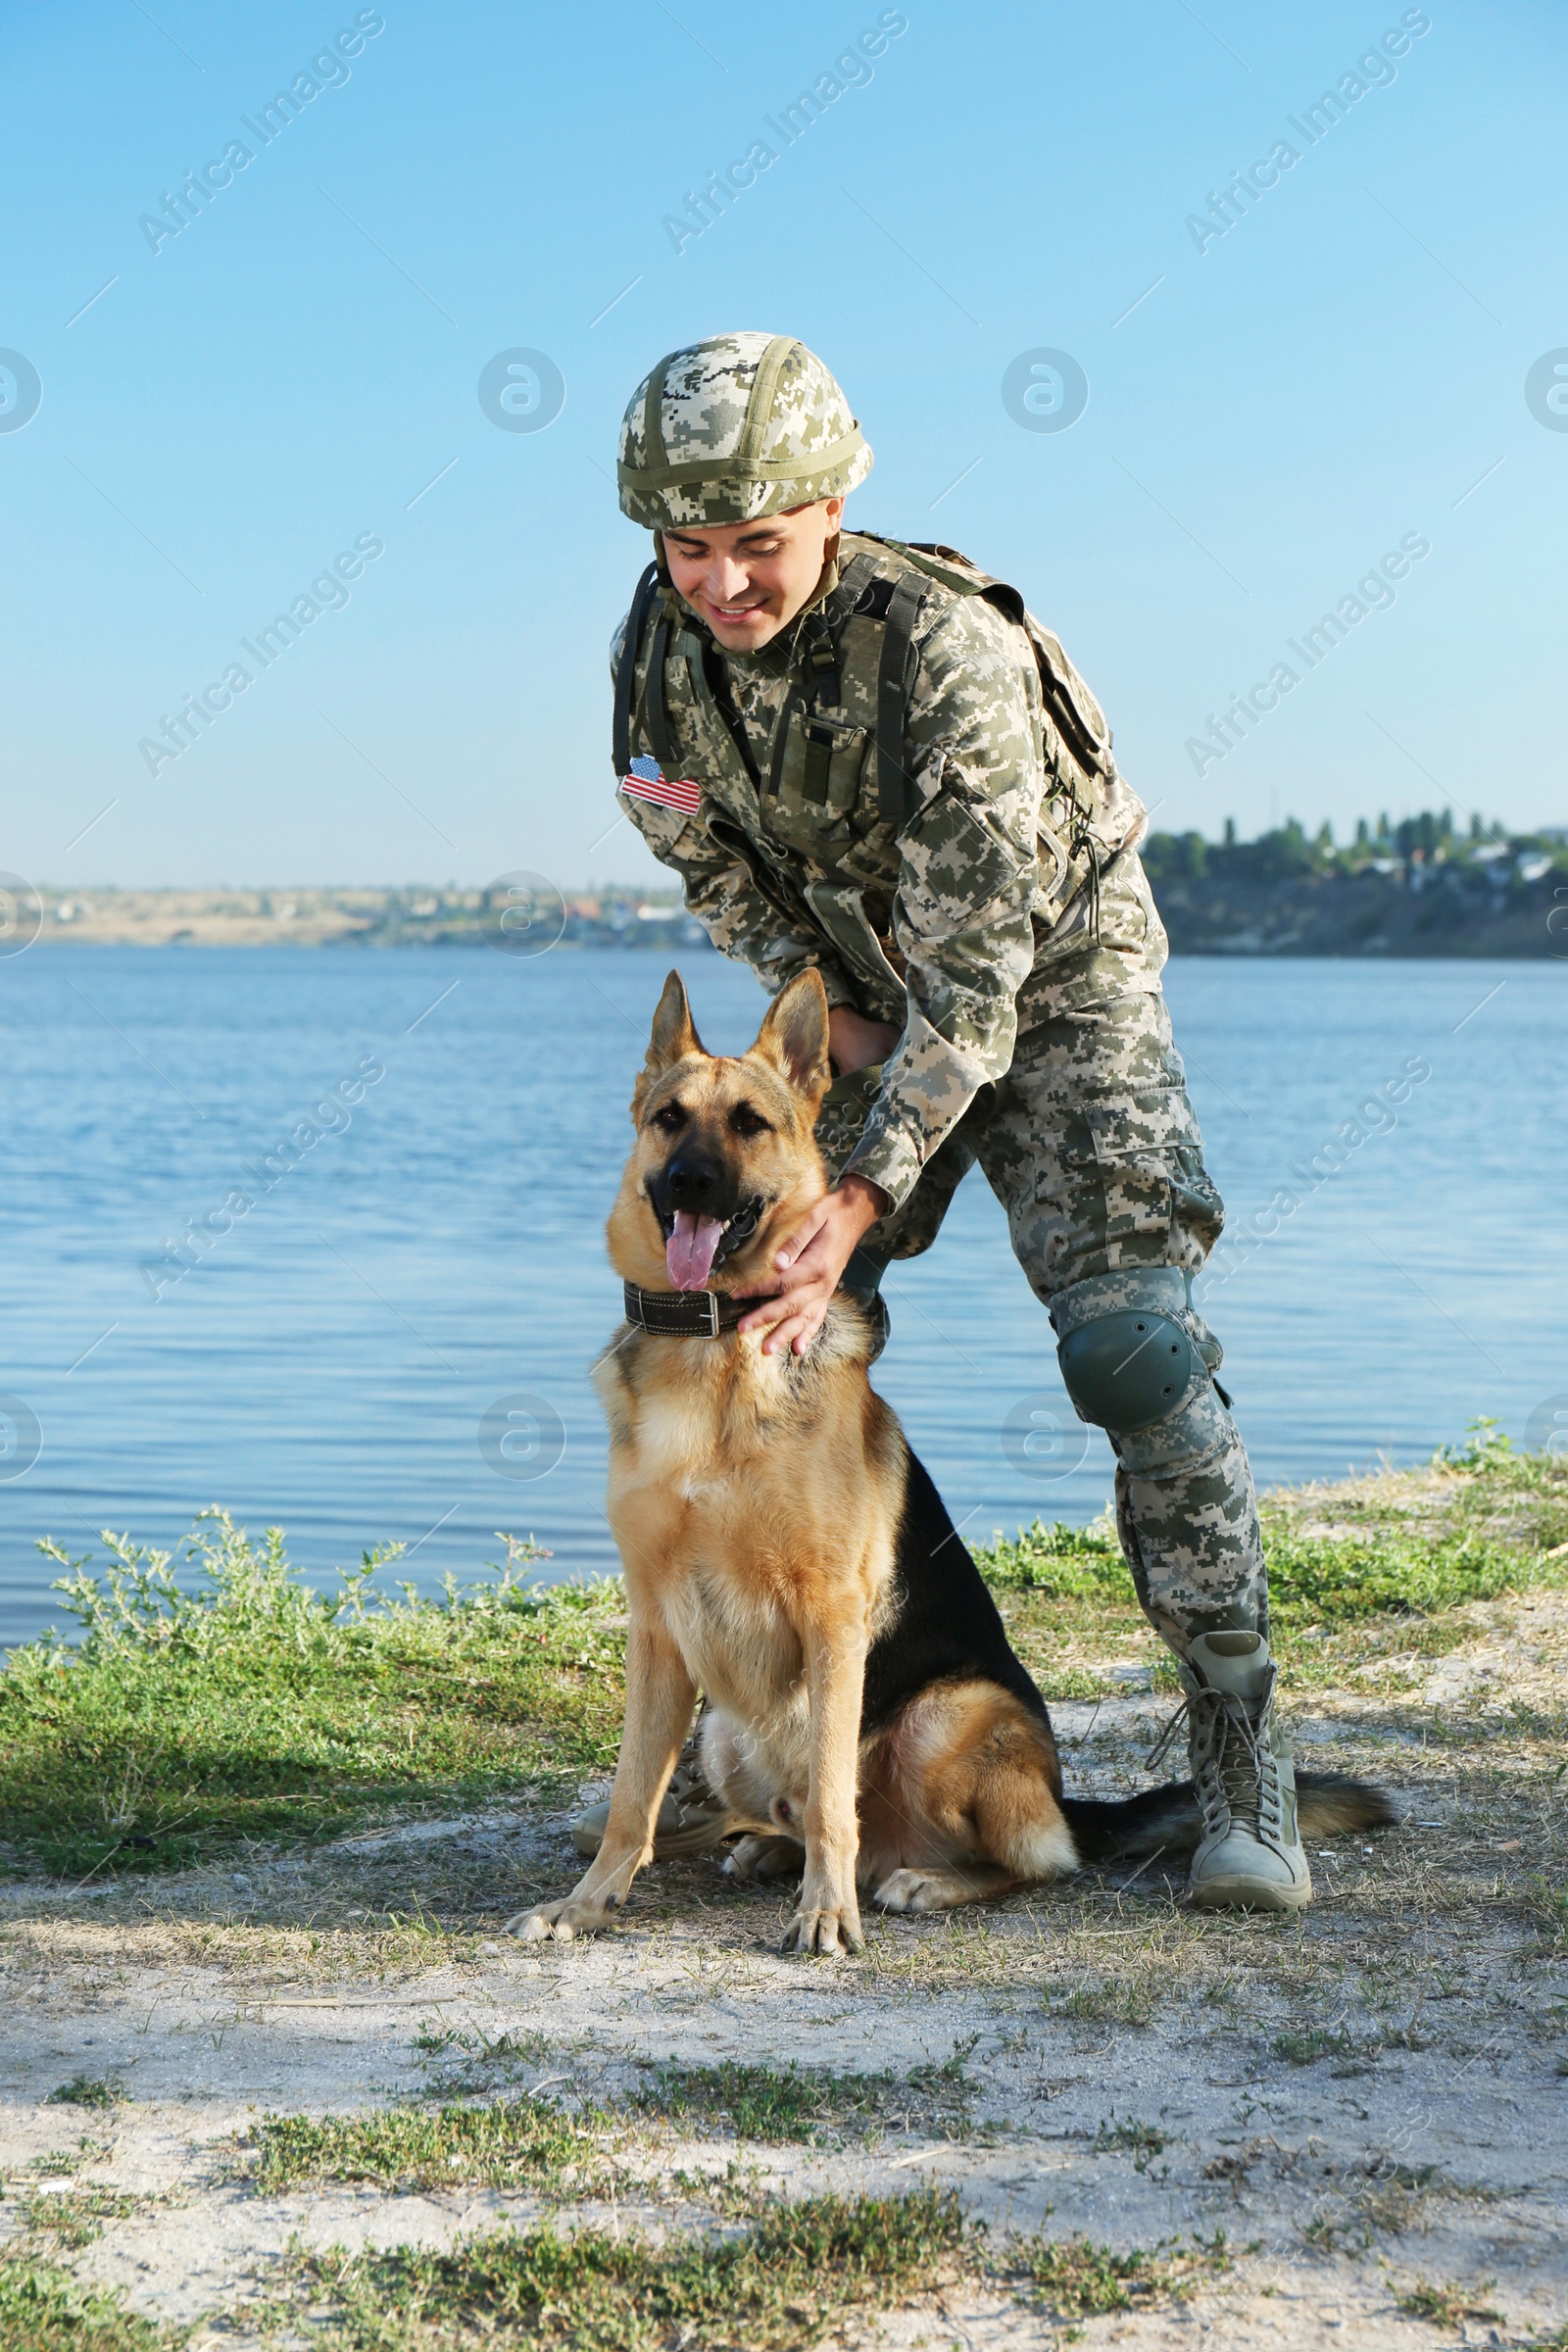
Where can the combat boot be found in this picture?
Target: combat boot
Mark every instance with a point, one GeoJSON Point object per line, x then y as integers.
{"type": "Point", "coordinates": [1250, 1855]}
{"type": "Point", "coordinates": [691, 1820]}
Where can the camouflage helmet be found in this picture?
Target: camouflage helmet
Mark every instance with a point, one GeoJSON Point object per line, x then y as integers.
{"type": "Point", "coordinates": [733, 428]}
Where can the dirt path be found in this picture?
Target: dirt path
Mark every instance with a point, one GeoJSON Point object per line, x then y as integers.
{"type": "Point", "coordinates": [1365, 2101]}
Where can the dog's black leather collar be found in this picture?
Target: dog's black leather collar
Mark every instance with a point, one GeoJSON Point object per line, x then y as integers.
{"type": "Point", "coordinates": [684, 1314]}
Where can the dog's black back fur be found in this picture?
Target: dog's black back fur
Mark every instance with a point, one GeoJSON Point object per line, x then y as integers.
{"type": "Point", "coordinates": [946, 1627]}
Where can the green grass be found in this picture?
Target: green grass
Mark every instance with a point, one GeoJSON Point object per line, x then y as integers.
{"type": "Point", "coordinates": [218, 1698]}
{"type": "Point", "coordinates": [507, 2143]}
{"type": "Point", "coordinates": [1306, 2048]}
{"type": "Point", "coordinates": [526, 2143]}
{"type": "Point", "coordinates": [1548, 1911]}
{"type": "Point", "coordinates": [87, 2090]}
{"type": "Point", "coordinates": [1492, 1537]}
{"type": "Point", "coordinates": [74, 2217]}
{"type": "Point", "coordinates": [215, 1699]}
{"type": "Point", "coordinates": [1140, 2141]}
{"type": "Point", "coordinates": [1081, 1564]}
{"type": "Point", "coordinates": [780, 2283]}
{"type": "Point", "coordinates": [1446, 2305]}
{"type": "Point", "coordinates": [59, 2164]}
{"type": "Point", "coordinates": [807, 2103]}
{"type": "Point", "coordinates": [468, 2062]}
{"type": "Point", "coordinates": [1108, 2001]}
{"type": "Point", "coordinates": [43, 2309]}
{"type": "Point", "coordinates": [1080, 2280]}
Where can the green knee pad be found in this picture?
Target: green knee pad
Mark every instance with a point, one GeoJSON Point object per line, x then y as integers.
{"type": "Point", "coordinates": [1128, 1353]}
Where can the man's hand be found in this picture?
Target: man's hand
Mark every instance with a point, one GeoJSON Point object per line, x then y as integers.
{"type": "Point", "coordinates": [855, 1042]}
{"type": "Point", "coordinates": [813, 1259]}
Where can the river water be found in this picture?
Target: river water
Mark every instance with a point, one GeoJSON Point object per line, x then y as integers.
{"type": "Point", "coordinates": [393, 1342]}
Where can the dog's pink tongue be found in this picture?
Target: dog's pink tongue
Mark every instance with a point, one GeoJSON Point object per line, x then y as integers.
{"type": "Point", "coordinates": [689, 1252]}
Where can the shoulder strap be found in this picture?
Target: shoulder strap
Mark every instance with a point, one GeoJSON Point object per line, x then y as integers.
{"type": "Point", "coordinates": [854, 573]}
{"type": "Point", "coordinates": [1072, 707]}
{"type": "Point", "coordinates": [823, 690]}
{"type": "Point", "coordinates": [892, 683]}
{"type": "Point", "coordinates": [940, 561]}
{"type": "Point", "coordinates": [715, 684]}
{"type": "Point", "coordinates": [626, 669]}
{"type": "Point", "coordinates": [1067, 698]}
{"type": "Point", "coordinates": [655, 714]}
{"type": "Point", "coordinates": [896, 670]}
{"type": "Point", "coordinates": [936, 561]}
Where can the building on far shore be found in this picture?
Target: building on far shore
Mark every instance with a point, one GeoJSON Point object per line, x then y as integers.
{"type": "Point", "coordinates": [1418, 887]}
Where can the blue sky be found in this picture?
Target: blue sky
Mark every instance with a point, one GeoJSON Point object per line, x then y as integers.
{"type": "Point", "coordinates": [1341, 369]}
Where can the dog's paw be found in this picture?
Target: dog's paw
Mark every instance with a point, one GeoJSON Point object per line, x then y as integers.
{"type": "Point", "coordinates": [762, 1857]}
{"type": "Point", "coordinates": [563, 1922]}
{"type": "Point", "coordinates": [907, 1890]}
{"type": "Point", "coordinates": [832, 1930]}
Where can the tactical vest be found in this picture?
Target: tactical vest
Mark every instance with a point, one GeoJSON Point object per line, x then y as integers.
{"type": "Point", "coordinates": [817, 824]}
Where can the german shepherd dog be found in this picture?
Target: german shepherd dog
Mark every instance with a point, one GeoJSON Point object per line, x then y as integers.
{"type": "Point", "coordinates": [787, 1554]}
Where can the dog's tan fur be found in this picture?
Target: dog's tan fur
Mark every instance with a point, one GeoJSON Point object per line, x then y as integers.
{"type": "Point", "coordinates": [756, 1501]}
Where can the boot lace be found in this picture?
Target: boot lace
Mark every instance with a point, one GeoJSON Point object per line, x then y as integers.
{"type": "Point", "coordinates": [1235, 1769]}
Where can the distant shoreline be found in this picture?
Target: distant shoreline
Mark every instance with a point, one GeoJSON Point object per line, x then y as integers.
{"type": "Point", "coordinates": [669, 944]}
{"type": "Point", "coordinates": [1213, 902]}
{"type": "Point", "coordinates": [522, 913]}
{"type": "Point", "coordinates": [1275, 927]}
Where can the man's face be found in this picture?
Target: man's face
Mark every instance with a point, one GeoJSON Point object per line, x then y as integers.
{"type": "Point", "coordinates": [747, 580]}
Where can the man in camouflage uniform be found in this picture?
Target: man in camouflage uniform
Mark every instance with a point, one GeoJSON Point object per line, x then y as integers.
{"type": "Point", "coordinates": [871, 760]}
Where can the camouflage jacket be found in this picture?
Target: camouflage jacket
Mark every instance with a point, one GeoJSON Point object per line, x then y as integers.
{"type": "Point", "coordinates": [929, 918]}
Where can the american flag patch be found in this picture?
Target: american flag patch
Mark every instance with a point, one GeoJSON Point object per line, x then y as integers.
{"type": "Point", "coordinates": [646, 783]}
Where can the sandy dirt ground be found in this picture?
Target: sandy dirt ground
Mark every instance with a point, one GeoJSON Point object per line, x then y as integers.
{"type": "Point", "coordinates": [1365, 2099]}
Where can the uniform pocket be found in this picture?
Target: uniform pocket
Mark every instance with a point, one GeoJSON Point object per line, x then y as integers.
{"type": "Point", "coordinates": [1131, 1173]}
{"type": "Point", "coordinates": [958, 864]}
{"type": "Point", "coordinates": [1148, 1129]}
{"type": "Point", "coordinates": [1121, 1175]}
{"type": "Point", "coordinates": [815, 783]}
{"type": "Point", "coordinates": [840, 909]}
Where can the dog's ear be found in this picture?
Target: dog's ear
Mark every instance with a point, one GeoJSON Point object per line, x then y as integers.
{"type": "Point", "coordinates": [673, 1035]}
{"type": "Point", "coordinates": [793, 1035]}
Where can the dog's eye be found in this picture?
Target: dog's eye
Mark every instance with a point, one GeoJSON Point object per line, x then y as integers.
{"type": "Point", "coordinates": [670, 1117]}
{"type": "Point", "coordinates": [744, 1120]}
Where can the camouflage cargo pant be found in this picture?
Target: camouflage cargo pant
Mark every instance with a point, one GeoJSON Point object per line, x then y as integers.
{"type": "Point", "coordinates": [1091, 1146]}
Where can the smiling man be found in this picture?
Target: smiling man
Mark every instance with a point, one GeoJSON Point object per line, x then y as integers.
{"type": "Point", "coordinates": [870, 757]}
{"type": "Point", "coordinates": [748, 582]}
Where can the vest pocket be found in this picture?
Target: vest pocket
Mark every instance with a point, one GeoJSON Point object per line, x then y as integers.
{"type": "Point", "coordinates": [815, 784]}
